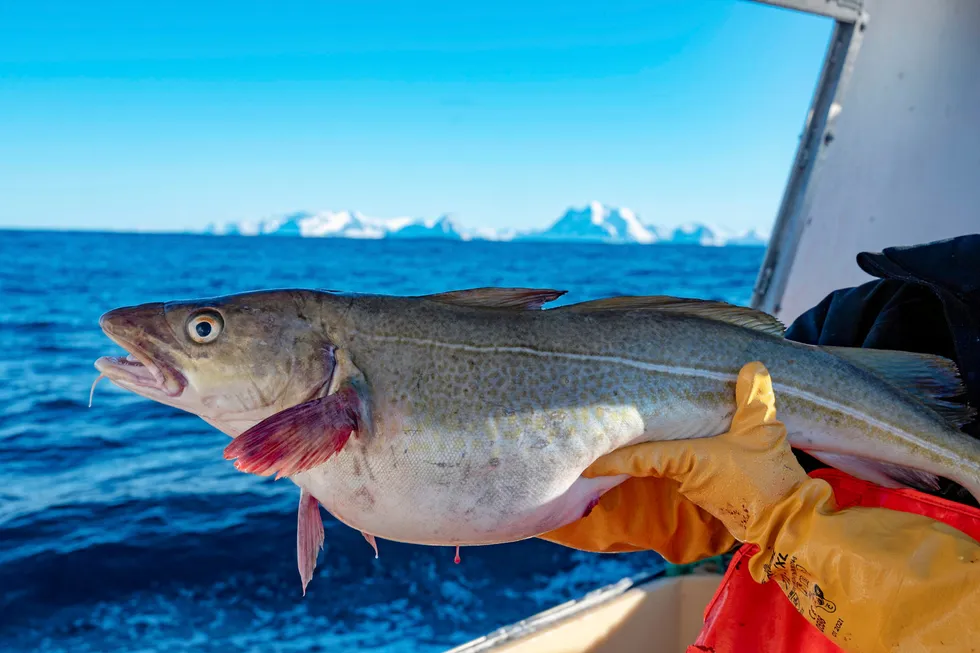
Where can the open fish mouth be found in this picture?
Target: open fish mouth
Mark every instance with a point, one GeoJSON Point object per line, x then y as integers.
{"type": "Point", "coordinates": [140, 373]}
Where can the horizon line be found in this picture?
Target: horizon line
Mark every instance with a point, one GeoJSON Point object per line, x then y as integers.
{"type": "Point", "coordinates": [199, 234]}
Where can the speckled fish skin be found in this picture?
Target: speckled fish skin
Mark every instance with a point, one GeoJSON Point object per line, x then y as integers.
{"type": "Point", "coordinates": [481, 420]}
{"type": "Point", "coordinates": [484, 420]}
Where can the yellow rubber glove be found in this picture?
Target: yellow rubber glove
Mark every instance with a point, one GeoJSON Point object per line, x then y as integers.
{"type": "Point", "coordinates": [897, 581]}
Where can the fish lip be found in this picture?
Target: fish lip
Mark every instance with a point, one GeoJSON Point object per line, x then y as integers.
{"type": "Point", "coordinates": [164, 378]}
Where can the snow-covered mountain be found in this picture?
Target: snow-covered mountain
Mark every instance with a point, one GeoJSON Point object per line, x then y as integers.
{"type": "Point", "coordinates": [696, 234]}
{"type": "Point", "coordinates": [443, 228]}
{"type": "Point", "coordinates": [325, 224]}
{"type": "Point", "coordinates": [597, 223]}
{"type": "Point", "coordinates": [347, 224]}
{"type": "Point", "coordinates": [603, 224]}
{"type": "Point", "coordinates": [594, 223]}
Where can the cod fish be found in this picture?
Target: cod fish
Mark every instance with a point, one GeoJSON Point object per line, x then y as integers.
{"type": "Point", "coordinates": [468, 417]}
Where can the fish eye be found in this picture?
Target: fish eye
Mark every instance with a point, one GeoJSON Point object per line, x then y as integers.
{"type": "Point", "coordinates": [204, 327]}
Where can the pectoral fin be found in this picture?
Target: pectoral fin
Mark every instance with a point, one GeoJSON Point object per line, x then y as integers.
{"type": "Point", "coordinates": [298, 438]}
{"type": "Point", "coordinates": [309, 536]}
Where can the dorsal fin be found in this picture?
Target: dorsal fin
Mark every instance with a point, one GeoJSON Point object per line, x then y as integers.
{"type": "Point", "coordinates": [933, 380]}
{"type": "Point", "coordinates": [519, 299]}
{"type": "Point", "coordinates": [712, 310]}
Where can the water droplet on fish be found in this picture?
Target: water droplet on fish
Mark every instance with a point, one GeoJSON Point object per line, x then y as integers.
{"type": "Point", "coordinates": [457, 556]}
{"type": "Point", "coordinates": [91, 393]}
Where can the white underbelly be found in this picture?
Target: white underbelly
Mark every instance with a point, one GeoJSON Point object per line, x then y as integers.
{"type": "Point", "coordinates": [459, 490]}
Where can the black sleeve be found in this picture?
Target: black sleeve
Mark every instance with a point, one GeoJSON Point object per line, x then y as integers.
{"type": "Point", "coordinates": [883, 314]}
{"type": "Point", "coordinates": [926, 300]}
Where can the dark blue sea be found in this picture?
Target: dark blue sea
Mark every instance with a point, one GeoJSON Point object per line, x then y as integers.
{"type": "Point", "coordinates": [122, 528]}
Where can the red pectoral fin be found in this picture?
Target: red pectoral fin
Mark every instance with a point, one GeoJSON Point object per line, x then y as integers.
{"type": "Point", "coordinates": [298, 438]}
{"type": "Point", "coordinates": [309, 536]}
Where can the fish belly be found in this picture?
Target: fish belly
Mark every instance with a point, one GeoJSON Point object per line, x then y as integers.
{"type": "Point", "coordinates": [504, 482]}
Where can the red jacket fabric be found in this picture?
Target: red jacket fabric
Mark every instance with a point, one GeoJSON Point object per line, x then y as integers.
{"type": "Point", "coordinates": [748, 616]}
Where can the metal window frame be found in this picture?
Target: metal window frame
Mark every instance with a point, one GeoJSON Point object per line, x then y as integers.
{"type": "Point", "coordinates": [818, 134]}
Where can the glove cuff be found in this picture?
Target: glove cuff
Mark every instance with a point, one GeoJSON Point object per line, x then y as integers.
{"type": "Point", "coordinates": [785, 527]}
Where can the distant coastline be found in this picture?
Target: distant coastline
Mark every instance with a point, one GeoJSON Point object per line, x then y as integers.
{"type": "Point", "coordinates": [595, 223]}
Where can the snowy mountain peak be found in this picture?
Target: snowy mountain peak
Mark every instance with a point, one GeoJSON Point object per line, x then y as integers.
{"type": "Point", "coordinates": [695, 234]}
{"type": "Point", "coordinates": [596, 211]}
{"type": "Point", "coordinates": [598, 223]}
{"type": "Point", "coordinates": [443, 228]}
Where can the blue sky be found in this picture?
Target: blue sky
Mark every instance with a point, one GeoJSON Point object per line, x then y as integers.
{"type": "Point", "coordinates": [122, 115]}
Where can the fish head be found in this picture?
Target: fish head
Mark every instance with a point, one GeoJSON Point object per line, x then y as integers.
{"type": "Point", "coordinates": [231, 360]}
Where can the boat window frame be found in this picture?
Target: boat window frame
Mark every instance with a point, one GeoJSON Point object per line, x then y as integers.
{"type": "Point", "coordinates": [850, 19]}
